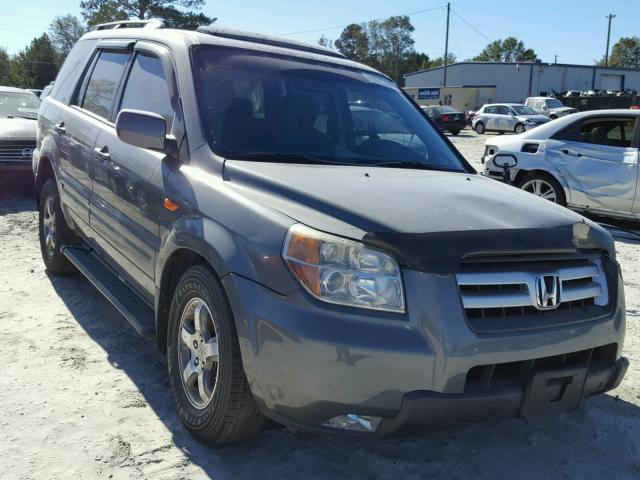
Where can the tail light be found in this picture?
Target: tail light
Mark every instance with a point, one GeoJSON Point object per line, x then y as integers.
{"type": "Point", "coordinates": [445, 118]}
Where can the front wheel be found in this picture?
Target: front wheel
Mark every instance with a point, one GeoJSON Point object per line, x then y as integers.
{"type": "Point", "coordinates": [544, 186]}
{"type": "Point", "coordinates": [210, 389]}
{"type": "Point", "coordinates": [53, 231]}
{"type": "Point", "coordinates": [519, 129]}
{"type": "Point", "coordinates": [480, 128]}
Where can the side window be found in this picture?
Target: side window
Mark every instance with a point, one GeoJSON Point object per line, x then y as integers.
{"type": "Point", "coordinates": [103, 84]}
{"type": "Point", "coordinates": [612, 132]}
{"type": "Point", "coordinates": [147, 88]}
{"type": "Point", "coordinates": [71, 70]}
{"type": "Point", "coordinates": [491, 110]}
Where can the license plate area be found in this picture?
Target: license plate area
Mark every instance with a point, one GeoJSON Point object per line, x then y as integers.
{"type": "Point", "coordinates": [553, 391]}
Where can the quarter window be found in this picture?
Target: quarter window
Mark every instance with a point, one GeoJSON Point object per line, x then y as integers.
{"type": "Point", "coordinates": [147, 88]}
{"type": "Point", "coordinates": [103, 84]}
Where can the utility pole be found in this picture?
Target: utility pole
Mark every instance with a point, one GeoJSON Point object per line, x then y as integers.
{"type": "Point", "coordinates": [446, 47]}
{"type": "Point", "coordinates": [606, 54]}
{"type": "Point", "coordinates": [555, 60]}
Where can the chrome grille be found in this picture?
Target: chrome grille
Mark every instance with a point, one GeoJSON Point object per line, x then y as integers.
{"type": "Point", "coordinates": [12, 150]}
{"type": "Point", "coordinates": [498, 295]}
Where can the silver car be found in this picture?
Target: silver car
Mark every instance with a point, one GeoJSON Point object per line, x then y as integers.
{"type": "Point", "coordinates": [506, 117]}
{"type": "Point", "coordinates": [587, 161]}
{"type": "Point", "coordinates": [549, 106]}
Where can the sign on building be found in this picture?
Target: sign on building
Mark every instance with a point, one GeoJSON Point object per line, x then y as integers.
{"type": "Point", "coordinates": [428, 93]}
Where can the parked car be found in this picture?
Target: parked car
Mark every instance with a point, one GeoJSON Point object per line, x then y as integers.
{"type": "Point", "coordinates": [551, 107]}
{"type": "Point", "coordinates": [506, 117]}
{"type": "Point", "coordinates": [446, 118]}
{"type": "Point", "coordinates": [46, 90]}
{"type": "Point", "coordinates": [18, 129]}
{"type": "Point", "coordinates": [587, 161]}
{"type": "Point", "coordinates": [36, 91]}
{"type": "Point", "coordinates": [253, 204]}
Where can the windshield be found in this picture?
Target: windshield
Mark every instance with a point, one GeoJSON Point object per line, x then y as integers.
{"type": "Point", "coordinates": [522, 110]}
{"type": "Point", "coordinates": [19, 104]}
{"type": "Point", "coordinates": [554, 103]}
{"type": "Point", "coordinates": [261, 106]}
{"type": "Point", "coordinates": [447, 110]}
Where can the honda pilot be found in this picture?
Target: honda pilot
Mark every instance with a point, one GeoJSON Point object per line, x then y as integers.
{"type": "Point", "coordinates": [307, 247]}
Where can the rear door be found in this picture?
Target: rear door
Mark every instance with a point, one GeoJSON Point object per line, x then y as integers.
{"type": "Point", "coordinates": [598, 156]}
{"type": "Point", "coordinates": [491, 117]}
{"type": "Point", "coordinates": [128, 183]}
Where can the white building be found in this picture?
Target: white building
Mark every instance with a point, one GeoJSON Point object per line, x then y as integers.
{"type": "Point", "coordinates": [516, 81]}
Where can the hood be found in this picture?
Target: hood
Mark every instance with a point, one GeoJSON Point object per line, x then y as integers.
{"type": "Point", "coordinates": [18, 128]}
{"type": "Point", "coordinates": [536, 118]}
{"type": "Point", "coordinates": [419, 215]}
{"type": "Point", "coordinates": [563, 110]}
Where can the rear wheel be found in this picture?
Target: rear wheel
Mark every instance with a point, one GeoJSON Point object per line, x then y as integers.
{"type": "Point", "coordinates": [519, 129]}
{"type": "Point", "coordinates": [53, 231]}
{"type": "Point", "coordinates": [210, 390]}
{"type": "Point", "coordinates": [544, 186]}
{"type": "Point", "coordinates": [480, 128]}
{"type": "Point", "coordinates": [455, 132]}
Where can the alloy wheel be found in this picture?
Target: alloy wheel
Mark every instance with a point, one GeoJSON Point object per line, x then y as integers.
{"type": "Point", "coordinates": [198, 353]}
{"type": "Point", "coordinates": [541, 188]}
{"type": "Point", "coordinates": [49, 226]}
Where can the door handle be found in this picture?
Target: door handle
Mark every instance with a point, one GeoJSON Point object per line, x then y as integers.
{"type": "Point", "coordinates": [103, 152]}
{"type": "Point", "coordinates": [60, 128]}
{"type": "Point", "coordinates": [566, 151]}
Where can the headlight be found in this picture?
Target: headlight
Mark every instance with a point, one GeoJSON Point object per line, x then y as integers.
{"type": "Point", "coordinates": [337, 270]}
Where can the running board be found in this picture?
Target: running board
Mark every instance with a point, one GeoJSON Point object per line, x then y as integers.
{"type": "Point", "coordinates": [126, 301]}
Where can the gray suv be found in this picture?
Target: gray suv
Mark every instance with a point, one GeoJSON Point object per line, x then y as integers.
{"type": "Point", "coordinates": [307, 247]}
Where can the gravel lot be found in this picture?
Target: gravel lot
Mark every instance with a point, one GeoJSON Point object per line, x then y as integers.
{"type": "Point", "coordinates": [82, 396]}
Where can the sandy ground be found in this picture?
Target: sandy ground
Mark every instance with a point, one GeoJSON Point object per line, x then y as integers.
{"type": "Point", "coordinates": [82, 396]}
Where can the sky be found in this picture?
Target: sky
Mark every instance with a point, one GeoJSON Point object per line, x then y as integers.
{"type": "Point", "coordinates": [574, 30]}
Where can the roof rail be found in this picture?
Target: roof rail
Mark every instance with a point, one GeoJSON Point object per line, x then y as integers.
{"type": "Point", "coordinates": [268, 40]}
{"type": "Point", "coordinates": [153, 23]}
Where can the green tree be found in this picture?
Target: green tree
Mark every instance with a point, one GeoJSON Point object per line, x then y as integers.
{"type": "Point", "coordinates": [508, 50]}
{"type": "Point", "coordinates": [417, 61]}
{"type": "Point", "coordinates": [439, 62]}
{"type": "Point", "coordinates": [64, 32]}
{"type": "Point", "coordinates": [5, 65]}
{"type": "Point", "coordinates": [176, 13]}
{"type": "Point", "coordinates": [36, 66]}
{"type": "Point", "coordinates": [325, 42]}
{"type": "Point", "coordinates": [625, 53]}
{"type": "Point", "coordinates": [354, 43]}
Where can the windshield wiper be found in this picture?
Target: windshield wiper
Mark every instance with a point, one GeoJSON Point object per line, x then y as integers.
{"type": "Point", "coordinates": [21, 116]}
{"type": "Point", "coordinates": [413, 164]}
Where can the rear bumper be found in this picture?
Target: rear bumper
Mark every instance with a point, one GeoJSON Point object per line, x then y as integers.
{"type": "Point", "coordinates": [433, 409]}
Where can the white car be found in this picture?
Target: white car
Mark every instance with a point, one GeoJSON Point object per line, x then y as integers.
{"type": "Point", "coordinates": [587, 161]}
{"type": "Point", "coordinates": [506, 117]}
{"type": "Point", "coordinates": [549, 106]}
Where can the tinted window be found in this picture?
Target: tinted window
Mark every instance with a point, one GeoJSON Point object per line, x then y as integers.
{"type": "Point", "coordinates": [103, 84]}
{"type": "Point", "coordinates": [448, 110]}
{"type": "Point", "coordinates": [267, 107]}
{"type": "Point", "coordinates": [491, 110]}
{"type": "Point", "coordinates": [608, 132]}
{"type": "Point", "coordinates": [147, 88]}
{"type": "Point", "coordinates": [71, 70]}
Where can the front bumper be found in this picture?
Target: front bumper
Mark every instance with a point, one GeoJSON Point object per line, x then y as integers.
{"type": "Point", "coordinates": [308, 362]}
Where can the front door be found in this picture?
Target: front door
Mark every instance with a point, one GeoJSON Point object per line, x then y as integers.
{"type": "Point", "coordinates": [128, 183]}
{"type": "Point", "coordinates": [599, 159]}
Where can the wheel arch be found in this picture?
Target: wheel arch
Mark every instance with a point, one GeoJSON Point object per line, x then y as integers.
{"type": "Point", "coordinates": [43, 173]}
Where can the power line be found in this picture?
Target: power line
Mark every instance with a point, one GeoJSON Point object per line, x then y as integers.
{"type": "Point", "coordinates": [471, 26]}
{"type": "Point", "coordinates": [374, 20]}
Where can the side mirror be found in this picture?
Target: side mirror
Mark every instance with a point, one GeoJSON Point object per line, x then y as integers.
{"type": "Point", "coordinates": [506, 162]}
{"type": "Point", "coordinates": [142, 129]}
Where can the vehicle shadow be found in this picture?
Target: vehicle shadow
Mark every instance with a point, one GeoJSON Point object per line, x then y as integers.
{"type": "Point", "coordinates": [603, 438]}
{"type": "Point", "coordinates": [16, 195]}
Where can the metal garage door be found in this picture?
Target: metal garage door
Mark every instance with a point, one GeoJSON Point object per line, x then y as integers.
{"type": "Point", "coordinates": [611, 82]}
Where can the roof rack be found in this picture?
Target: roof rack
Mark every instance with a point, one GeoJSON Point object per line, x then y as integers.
{"type": "Point", "coordinates": [153, 23]}
{"type": "Point", "coordinates": [268, 40]}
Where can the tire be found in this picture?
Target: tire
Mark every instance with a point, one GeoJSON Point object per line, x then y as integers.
{"type": "Point", "coordinates": [210, 390]}
{"type": "Point", "coordinates": [455, 133]}
{"type": "Point", "coordinates": [53, 231]}
{"type": "Point", "coordinates": [479, 128]}
{"type": "Point", "coordinates": [519, 128]}
{"type": "Point", "coordinates": [541, 184]}
{"type": "Point", "coordinates": [553, 117]}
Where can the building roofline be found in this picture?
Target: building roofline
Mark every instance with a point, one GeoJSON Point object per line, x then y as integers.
{"type": "Point", "coordinates": [573, 65]}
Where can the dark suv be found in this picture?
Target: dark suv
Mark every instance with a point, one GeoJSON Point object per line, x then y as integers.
{"type": "Point", "coordinates": [307, 247]}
